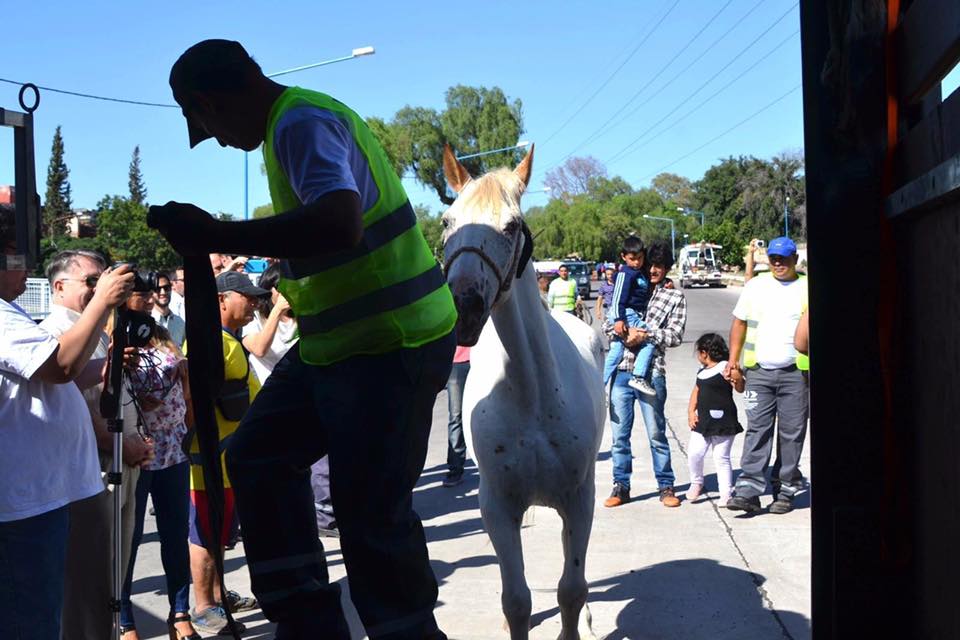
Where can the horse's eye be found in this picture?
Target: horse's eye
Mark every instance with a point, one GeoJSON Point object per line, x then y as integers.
{"type": "Point", "coordinates": [445, 222]}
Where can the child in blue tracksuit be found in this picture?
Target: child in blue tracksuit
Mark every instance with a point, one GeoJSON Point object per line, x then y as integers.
{"type": "Point", "coordinates": [629, 307]}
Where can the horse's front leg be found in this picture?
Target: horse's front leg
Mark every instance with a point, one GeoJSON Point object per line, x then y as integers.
{"type": "Point", "coordinates": [501, 519]}
{"type": "Point", "coordinates": [577, 516]}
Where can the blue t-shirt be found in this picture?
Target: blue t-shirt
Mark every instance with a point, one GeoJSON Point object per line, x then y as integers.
{"type": "Point", "coordinates": [631, 291]}
{"type": "Point", "coordinates": [319, 155]}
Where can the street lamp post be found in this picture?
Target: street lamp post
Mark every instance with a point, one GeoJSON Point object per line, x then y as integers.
{"type": "Point", "coordinates": [786, 226]}
{"type": "Point", "coordinates": [690, 212]}
{"type": "Point", "coordinates": [519, 145]}
{"type": "Point", "coordinates": [673, 234]}
{"type": "Point", "coordinates": [356, 53]}
{"type": "Point", "coordinates": [522, 143]}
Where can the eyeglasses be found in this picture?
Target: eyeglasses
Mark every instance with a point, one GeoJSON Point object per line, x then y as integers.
{"type": "Point", "coordinates": [166, 288]}
{"type": "Point", "coordinates": [90, 281]}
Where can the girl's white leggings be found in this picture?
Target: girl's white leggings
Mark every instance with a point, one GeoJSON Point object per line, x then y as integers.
{"type": "Point", "coordinates": [698, 447]}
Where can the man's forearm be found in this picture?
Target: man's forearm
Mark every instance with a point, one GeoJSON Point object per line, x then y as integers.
{"type": "Point", "coordinates": [259, 343]}
{"type": "Point", "coordinates": [331, 224]}
{"type": "Point", "coordinates": [77, 344]}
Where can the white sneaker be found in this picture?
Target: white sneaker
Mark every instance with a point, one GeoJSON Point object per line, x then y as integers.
{"type": "Point", "coordinates": [642, 386]}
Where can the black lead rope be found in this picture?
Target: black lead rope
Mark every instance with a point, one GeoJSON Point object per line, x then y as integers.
{"type": "Point", "coordinates": [205, 358]}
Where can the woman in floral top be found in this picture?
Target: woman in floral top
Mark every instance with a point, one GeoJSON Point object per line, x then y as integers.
{"type": "Point", "coordinates": [162, 390]}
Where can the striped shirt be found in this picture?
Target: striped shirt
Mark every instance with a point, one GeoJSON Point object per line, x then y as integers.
{"type": "Point", "coordinates": [667, 319]}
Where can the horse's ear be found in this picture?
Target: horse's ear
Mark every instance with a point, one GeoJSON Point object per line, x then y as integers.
{"type": "Point", "coordinates": [525, 168]}
{"type": "Point", "coordinates": [456, 174]}
{"type": "Point", "coordinates": [527, 252]}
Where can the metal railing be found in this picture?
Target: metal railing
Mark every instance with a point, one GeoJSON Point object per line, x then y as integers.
{"type": "Point", "coordinates": [36, 299]}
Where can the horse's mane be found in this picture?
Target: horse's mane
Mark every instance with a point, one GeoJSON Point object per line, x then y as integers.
{"type": "Point", "coordinates": [492, 190]}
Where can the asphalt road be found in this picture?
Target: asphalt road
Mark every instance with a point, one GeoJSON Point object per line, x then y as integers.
{"type": "Point", "coordinates": [694, 572]}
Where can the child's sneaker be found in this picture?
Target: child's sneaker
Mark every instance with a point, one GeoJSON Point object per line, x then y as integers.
{"type": "Point", "coordinates": [694, 492]}
{"type": "Point", "coordinates": [642, 386]}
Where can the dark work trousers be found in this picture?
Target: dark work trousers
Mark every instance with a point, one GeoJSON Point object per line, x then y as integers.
{"type": "Point", "coordinates": [320, 482]}
{"type": "Point", "coordinates": [371, 415]}
{"type": "Point", "coordinates": [456, 445]}
{"type": "Point", "coordinates": [781, 396]}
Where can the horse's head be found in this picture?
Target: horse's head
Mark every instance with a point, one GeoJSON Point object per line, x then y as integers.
{"type": "Point", "coordinates": [486, 242]}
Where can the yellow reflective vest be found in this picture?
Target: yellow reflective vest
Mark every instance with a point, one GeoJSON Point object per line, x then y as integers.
{"type": "Point", "coordinates": [562, 294]}
{"type": "Point", "coordinates": [388, 292]}
{"type": "Point", "coordinates": [755, 316]}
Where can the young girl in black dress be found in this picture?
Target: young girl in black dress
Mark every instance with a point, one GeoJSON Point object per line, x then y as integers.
{"type": "Point", "coordinates": [712, 415]}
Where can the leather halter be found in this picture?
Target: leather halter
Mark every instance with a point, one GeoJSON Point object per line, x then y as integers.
{"type": "Point", "coordinates": [504, 284]}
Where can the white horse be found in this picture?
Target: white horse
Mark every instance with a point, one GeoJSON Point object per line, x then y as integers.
{"type": "Point", "coordinates": [533, 404]}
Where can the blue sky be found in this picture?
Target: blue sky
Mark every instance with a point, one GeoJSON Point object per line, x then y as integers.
{"type": "Point", "coordinates": [553, 56]}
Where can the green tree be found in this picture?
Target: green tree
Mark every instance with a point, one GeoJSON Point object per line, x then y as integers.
{"type": "Point", "coordinates": [263, 211]}
{"type": "Point", "coordinates": [673, 188]}
{"type": "Point", "coordinates": [768, 187]}
{"type": "Point", "coordinates": [475, 119]}
{"type": "Point", "coordinates": [392, 141]}
{"type": "Point", "coordinates": [432, 228]}
{"type": "Point", "coordinates": [122, 227]}
{"type": "Point", "coordinates": [138, 190]}
{"type": "Point", "coordinates": [57, 204]}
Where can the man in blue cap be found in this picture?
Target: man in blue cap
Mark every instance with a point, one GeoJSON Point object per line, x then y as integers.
{"type": "Point", "coordinates": [764, 323]}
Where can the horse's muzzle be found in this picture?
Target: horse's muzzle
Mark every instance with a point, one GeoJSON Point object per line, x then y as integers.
{"type": "Point", "coordinates": [471, 316]}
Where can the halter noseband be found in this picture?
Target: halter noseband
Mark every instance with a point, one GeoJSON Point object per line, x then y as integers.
{"type": "Point", "coordinates": [518, 264]}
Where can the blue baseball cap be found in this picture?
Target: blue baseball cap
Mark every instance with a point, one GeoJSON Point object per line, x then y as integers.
{"type": "Point", "coordinates": [781, 247]}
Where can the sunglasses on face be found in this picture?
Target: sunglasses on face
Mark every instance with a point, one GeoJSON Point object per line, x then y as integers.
{"type": "Point", "coordinates": [90, 281]}
{"type": "Point", "coordinates": [165, 288]}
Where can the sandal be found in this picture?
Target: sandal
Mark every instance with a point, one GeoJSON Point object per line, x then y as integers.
{"type": "Point", "coordinates": [175, 633]}
{"type": "Point", "coordinates": [125, 629]}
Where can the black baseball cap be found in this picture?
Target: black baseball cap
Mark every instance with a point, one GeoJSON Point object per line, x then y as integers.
{"type": "Point", "coordinates": [204, 66]}
{"type": "Point", "coordinates": [239, 282]}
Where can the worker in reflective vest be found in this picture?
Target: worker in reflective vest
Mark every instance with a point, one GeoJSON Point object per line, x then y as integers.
{"type": "Point", "coordinates": [562, 294]}
{"type": "Point", "coordinates": [764, 327]}
{"type": "Point", "coordinates": [376, 344]}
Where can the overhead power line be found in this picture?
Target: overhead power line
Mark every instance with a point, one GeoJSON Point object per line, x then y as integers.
{"type": "Point", "coordinates": [640, 91]}
{"type": "Point", "coordinates": [94, 97]}
{"type": "Point", "coordinates": [615, 72]}
{"type": "Point", "coordinates": [714, 139]}
{"type": "Point", "coordinates": [729, 84]}
{"type": "Point", "coordinates": [702, 86]}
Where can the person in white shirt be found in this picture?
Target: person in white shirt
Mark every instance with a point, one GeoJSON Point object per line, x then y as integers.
{"type": "Point", "coordinates": [163, 312]}
{"type": "Point", "coordinates": [270, 335]}
{"type": "Point", "coordinates": [177, 304]}
{"type": "Point", "coordinates": [48, 451]}
{"type": "Point", "coordinates": [73, 277]}
{"type": "Point", "coordinates": [777, 387]}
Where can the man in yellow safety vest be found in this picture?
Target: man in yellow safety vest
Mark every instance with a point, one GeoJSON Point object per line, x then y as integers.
{"type": "Point", "coordinates": [375, 320]}
{"type": "Point", "coordinates": [764, 324]}
{"type": "Point", "coordinates": [562, 294]}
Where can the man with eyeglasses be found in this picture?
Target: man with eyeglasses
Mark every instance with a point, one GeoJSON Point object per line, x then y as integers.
{"type": "Point", "coordinates": [164, 314]}
{"type": "Point", "coordinates": [73, 277]}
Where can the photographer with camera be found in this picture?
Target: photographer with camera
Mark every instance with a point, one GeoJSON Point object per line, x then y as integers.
{"type": "Point", "coordinates": [74, 276]}
{"type": "Point", "coordinates": [48, 449]}
{"type": "Point", "coordinates": [161, 389]}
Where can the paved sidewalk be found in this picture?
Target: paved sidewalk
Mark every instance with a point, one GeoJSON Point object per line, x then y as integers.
{"type": "Point", "coordinates": [693, 572]}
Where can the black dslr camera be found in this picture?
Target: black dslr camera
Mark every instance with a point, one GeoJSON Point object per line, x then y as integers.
{"type": "Point", "coordinates": [135, 328]}
{"type": "Point", "coordinates": [143, 281]}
